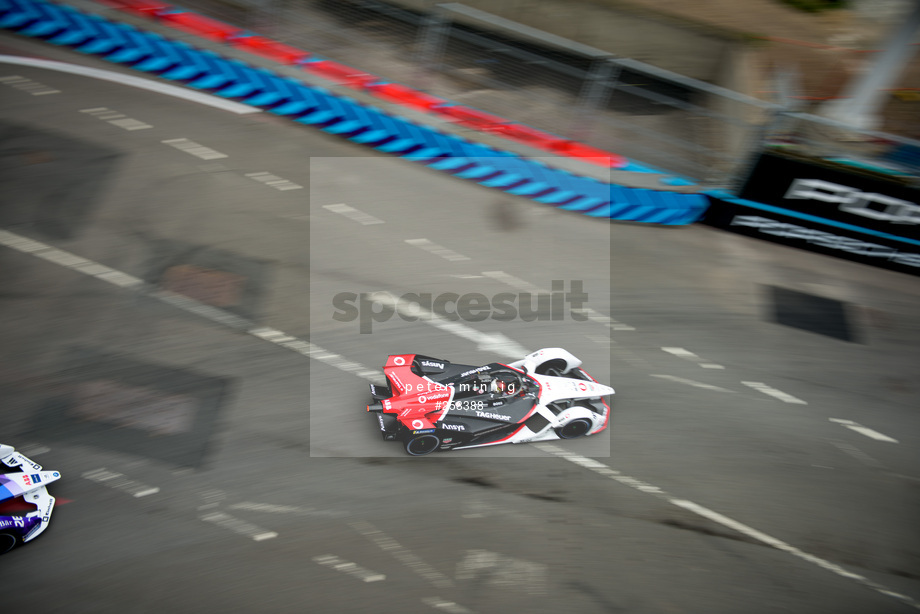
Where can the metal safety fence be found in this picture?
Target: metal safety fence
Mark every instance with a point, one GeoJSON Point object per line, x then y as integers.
{"type": "Point", "coordinates": [685, 126]}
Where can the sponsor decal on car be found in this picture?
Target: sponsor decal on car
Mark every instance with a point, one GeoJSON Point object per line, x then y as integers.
{"type": "Point", "coordinates": [382, 425]}
{"type": "Point", "coordinates": [477, 370]}
{"type": "Point", "coordinates": [491, 416]}
{"type": "Point", "coordinates": [422, 431]}
{"type": "Point", "coordinates": [453, 427]}
{"type": "Point", "coordinates": [417, 424]}
{"type": "Point", "coordinates": [431, 363]}
{"type": "Point", "coordinates": [395, 379]}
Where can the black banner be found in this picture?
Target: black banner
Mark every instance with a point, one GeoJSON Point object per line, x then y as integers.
{"type": "Point", "coordinates": [858, 216]}
{"type": "Point", "coordinates": [861, 199]}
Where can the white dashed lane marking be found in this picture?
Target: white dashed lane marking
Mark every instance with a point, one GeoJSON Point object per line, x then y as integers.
{"type": "Point", "coordinates": [116, 119]}
{"type": "Point", "coordinates": [293, 510]}
{"type": "Point", "coordinates": [443, 605]}
{"type": "Point", "coordinates": [240, 527]}
{"type": "Point", "coordinates": [486, 342]}
{"type": "Point", "coordinates": [351, 213]}
{"type": "Point", "coordinates": [352, 569]}
{"type": "Point", "coordinates": [213, 314]}
{"type": "Point", "coordinates": [690, 382]}
{"type": "Point", "coordinates": [526, 286]}
{"type": "Point", "coordinates": [118, 481]}
{"type": "Point", "coordinates": [773, 392]}
{"type": "Point", "coordinates": [863, 430]}
{"type": "Point", "coordinates": [688, 355]}
{"type": "Point", "coordinates": [274, 181]}
{"type": "Point", "coordinates": [195, 149]}
{"type": "Point", "coordinates": [602, 469]}
{"type": "Point", "coordinates": [28, 85]}
{"type": "Point", "coordinates": [509, 573]}
{"type": "Point", "coordinates": [437, 250]}
{"type": "Point", "coordinates": [402, 554]}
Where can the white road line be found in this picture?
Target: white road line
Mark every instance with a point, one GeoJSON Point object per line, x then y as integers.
{"type": "Point", "coordinates": [72, 261]}
{"type": "Point", "coordinates": [857, 454]}
{"type": "Point", "coordinates": [688, 355]}
{"type": "Point", "coordinates": [437, 250]}
{"type": "Point", "coordinates": [116, 119]}
{"type": "Point", "coordinates": [213, 314]}
{"type": "Point", "coordinates": [504, 571]}
{"type": "Point", "coordinates": [514, 282]}
{"type": "Point", "coordinates": [402, 554]}
{"type": "Point", "coordinates": [773, 392]}
{"type": "Point", "coordinates": [195, 149]}
{"type": "Point", "coordinates": [240, 527]}
{"type": "Point", "coordinates": [602, 469]}
{"type": "Point", "coordinates": [353, 214]}
{"type": "Point", "coordinates": [486, 342]}
{"type": "Point", "coordinates": [352, 569]}
{"type": "Point", "coordinates": [526, 286]}
{"type": "Point", "coordinates": [691, 382]}
{"type": "Point", "coordinates": [118, 481]}
{"type": "Point", "coordinates": [312, 350]}
{"type": "Point", "coordinates": [445, 606]}
{"type": "Point", "coordinates": [274, 181]}
{"type": "Point", "coordinates": [31, 450]}
{"type": "Point", "coordinates": [284, 509]}
{"type": "Point", "coordinates": [132, 81]}
{"type": "Point", "coordinates": [27, 85]}
{"type": "Point", "coordinates": [863, 430]}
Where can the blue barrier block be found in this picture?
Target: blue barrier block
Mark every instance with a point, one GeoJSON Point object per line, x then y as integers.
{"type": "Point", "coordinates": [18, 15]}
{"type": "Point", "coordinates": [503, 170]}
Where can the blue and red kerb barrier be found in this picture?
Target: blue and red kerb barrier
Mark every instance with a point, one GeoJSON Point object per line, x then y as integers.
{"type": "Point", "coordinates": [205, 70]}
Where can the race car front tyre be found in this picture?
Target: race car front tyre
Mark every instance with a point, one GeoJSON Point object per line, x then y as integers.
{"type": "Point", "coordinates": [422, 445]}
{"type": "Point", "coordinates": [579, 427]}
{"type": "Point", "coordinates": [8, 541]}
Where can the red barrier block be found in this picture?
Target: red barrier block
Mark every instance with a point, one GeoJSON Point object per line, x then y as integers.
{"type": "Point", "coordinates": [474, 118]}
{"type": "Point", "coordinates": [273, 50]}
{"type": "Point", "coordinates": [530, 136]}
{"type": "Point", "coordinates": [594, 155]}
{"type": "Point", "coordinates": [145, 8]}
{"type": "Point", "coordinates": [340, 73]}
{"type": "Point", "coordinates": [406, 96]}
{"type": "Point", "coordinates": [200, 25]}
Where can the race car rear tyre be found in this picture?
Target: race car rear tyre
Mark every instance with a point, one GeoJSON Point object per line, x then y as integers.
{"type": "Point", "coordinates": [422, 445]}
{"type": "Point", "coordinates": [579, 427]}
{"type": "Point", "coordinates": [8, 541]}
{"type": "Point", "coordinates": [555, 367]}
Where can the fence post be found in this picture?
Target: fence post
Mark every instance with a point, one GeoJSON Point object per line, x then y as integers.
{"type": "Point", "coordinates": [432, 40]}
{"type": "Point", "coordinates": [600, 81]}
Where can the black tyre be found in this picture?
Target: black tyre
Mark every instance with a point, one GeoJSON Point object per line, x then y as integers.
{"type": "Point", "coordinates": [422, 445]}
{"type": "Point", "coordinates": [555, 367]}
{"type": "Point", "coordinates": [578, 427]}
{"type": "Point", "coordinates": [8, 541]}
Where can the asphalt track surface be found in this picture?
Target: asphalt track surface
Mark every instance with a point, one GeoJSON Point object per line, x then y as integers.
{"type": "Point", "coordinates": [248, 478]}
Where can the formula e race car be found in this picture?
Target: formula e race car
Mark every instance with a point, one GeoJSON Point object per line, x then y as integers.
{"type": "Point", "coordinates": [431, 404]}
{"type": "Point", "coordinates": [25, 505]}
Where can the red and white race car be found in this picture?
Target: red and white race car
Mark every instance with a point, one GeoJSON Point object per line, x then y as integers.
{"type": "Point", "coordinates": [432, 404]}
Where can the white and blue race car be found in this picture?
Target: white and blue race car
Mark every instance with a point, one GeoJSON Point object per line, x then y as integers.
{"type": "Point", "coordinates": [25, 505]}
